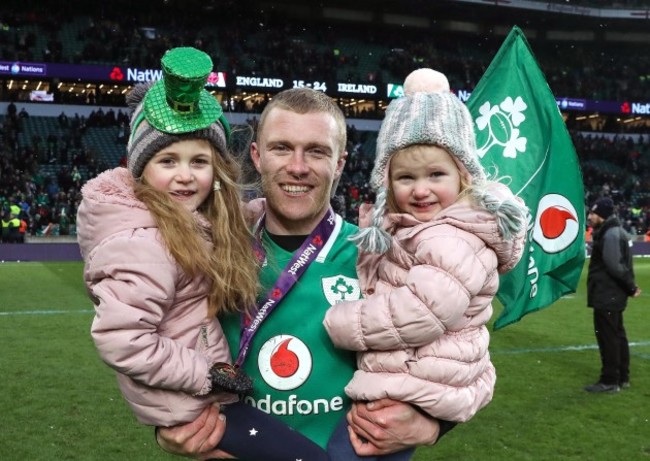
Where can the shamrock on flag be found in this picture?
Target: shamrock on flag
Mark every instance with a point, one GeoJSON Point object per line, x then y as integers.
{"type": "Point", "coordinates": [521, 135]}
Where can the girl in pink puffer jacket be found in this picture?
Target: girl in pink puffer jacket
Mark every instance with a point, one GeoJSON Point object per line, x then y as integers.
{"type": "Point", "coordinates": [166, 248]}
{"type": "Point", "coordinates": [429, 268]}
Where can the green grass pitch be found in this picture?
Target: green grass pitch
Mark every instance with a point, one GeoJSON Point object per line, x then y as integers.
{"type": "Point", "coordinates": [60, 402]}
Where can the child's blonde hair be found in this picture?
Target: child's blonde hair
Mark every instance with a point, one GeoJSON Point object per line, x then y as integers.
{"type": "Point", "coordinates": [230, 266]}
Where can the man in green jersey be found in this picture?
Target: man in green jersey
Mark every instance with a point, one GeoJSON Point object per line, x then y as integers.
{"type": "Point", "coordinates": [299, 376]}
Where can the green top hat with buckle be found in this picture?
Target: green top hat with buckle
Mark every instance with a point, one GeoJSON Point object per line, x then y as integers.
{"type": "Point", "coordinates": [174, 109]}
{"type": "Point", "coordinates": [179, 103]}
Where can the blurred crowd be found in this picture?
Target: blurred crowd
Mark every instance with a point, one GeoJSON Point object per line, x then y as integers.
{"type": "Point", "coordinates": [40, 183]}
{"type": "Point", "coordinates": [42, 200]}
{"type": "Point", "coordinates": [248, 41]}
{"type": "Point", "coordinates": [40, 180]}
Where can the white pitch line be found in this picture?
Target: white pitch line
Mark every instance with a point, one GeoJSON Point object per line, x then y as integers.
{"type": "Point", "coordinates": [492, 351]}
{"type": "Point", "coordinates": [42, 312]}
{"type": "Point", "coordinates": [560, 348]}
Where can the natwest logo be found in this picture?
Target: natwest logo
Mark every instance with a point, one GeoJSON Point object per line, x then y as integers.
{"type": "Point", "coordinates": [638, 108]}
{"type": "Point", "coordinates": [116, 74]}
{"type": "Point", "coordinates": [463, 95]}
{"type": "Point", "coordinates": [146, 75]}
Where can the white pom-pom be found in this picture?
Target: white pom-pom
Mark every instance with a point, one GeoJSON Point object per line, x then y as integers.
{"type": "Point", "coordinates": [426, 81]}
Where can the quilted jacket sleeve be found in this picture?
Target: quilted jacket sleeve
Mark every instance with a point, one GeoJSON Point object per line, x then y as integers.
{"type": "Point", "coordinates": [133, 284]}
{"type": "Point", "coordinates": [434, 297]}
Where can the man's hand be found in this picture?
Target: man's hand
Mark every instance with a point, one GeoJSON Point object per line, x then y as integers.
{"type": "Point", "coordinates": [387, 426]}
{"type": "Point", "coordinates": [197, 439]}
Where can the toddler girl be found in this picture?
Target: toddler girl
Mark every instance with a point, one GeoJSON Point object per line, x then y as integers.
{"type": "Point", "coordinates": [428, 268]}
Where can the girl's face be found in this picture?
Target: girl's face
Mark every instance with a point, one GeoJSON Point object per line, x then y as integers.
{"type": "Point", "coordinates": [184, 171]}
{"type": "Point", "coordinates": [424, 180]}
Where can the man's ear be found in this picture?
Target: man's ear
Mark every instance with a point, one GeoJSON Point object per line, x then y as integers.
{"type": "Point", "coordinates": [255, 156]}
{"type": "Point", "coordinates": [340, 164]}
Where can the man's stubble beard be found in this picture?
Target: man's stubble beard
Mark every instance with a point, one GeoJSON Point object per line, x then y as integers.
{"type": "Point", "coordinates": [270, 188]}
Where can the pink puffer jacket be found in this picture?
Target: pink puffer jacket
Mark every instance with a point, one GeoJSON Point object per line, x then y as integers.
{"type": "Point", "coordinates": [422, 321]}
{"type": "Point", "coordinates": [151, 322]}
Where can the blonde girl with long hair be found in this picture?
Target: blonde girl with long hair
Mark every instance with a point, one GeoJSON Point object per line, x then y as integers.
{"type": "Point", "coordinates": [167, 249]}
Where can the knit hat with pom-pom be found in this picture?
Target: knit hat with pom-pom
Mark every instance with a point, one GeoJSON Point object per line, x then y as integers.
{"type": "Point", "coordinates": [430, 114]}
{"type": "Point", "coordinates": [176, 108]}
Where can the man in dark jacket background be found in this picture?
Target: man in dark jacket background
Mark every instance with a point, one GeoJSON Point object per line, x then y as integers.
{"type": "Point", "coordinates": [610, 282]}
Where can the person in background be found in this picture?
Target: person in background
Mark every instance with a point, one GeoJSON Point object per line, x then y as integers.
{"type": "Point", "coordinates": [166, 248]}
{"type": "Point", "coordinates": [430, 254]}
{"type": "Point", "coordinates": [11, 227]}
{"type": "Point", "coordinates": [299, 152]}
{"type": "Point", "coordinates": [4, 216]}
{"type": "Point", "coordinates": [22, 231]}
{"type": "Point", "coordinates": [610, 282]}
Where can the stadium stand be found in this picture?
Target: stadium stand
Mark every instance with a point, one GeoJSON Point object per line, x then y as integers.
{"type": "Point", "coordinates": [44, 159]}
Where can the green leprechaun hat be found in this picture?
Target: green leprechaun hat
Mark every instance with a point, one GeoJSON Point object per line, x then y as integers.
{"type": "Point", "coordinates": [175, 108]}
{"type": "Point", "coordinates": [179, 103]}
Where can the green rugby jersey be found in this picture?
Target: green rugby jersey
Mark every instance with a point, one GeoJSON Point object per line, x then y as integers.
{"type": "Point", "coordinates": [298, 374]}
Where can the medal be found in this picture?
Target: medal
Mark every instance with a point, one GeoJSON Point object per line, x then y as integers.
{"type": "Point", "coordinates": [227, 378]}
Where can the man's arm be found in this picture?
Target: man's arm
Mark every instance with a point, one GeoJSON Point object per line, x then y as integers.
{"type": "Point", "coordinates": [387, 426]}
{"type": "Point", "coordinates": [197, 439]}
{"type": "Point", "coordinates": [615, 262]}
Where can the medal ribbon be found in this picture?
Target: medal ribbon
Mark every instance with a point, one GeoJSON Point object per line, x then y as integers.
{"type": "Point", "coordinates": [298, 264]}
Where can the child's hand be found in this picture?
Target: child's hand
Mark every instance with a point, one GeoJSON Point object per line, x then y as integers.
{"type": "Point", "coordinates": [227, 378]}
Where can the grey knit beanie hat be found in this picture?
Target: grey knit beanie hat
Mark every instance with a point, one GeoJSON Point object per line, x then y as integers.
{"type": "Point", "coordinates": [439, 119]}
{"type": "Point", "coordinates": [176, 108]}
{"type": "Point", "coordinates": [429, 114]}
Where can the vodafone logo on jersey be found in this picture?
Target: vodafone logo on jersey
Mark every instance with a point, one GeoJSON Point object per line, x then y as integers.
{"type": "Point", "coordinates": [284, 362]}
{"type": "Point", "coordinates": [556, 225]}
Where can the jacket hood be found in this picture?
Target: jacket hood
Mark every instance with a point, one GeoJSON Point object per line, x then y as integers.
{"type": "Point", "coordinates": [109, 206]}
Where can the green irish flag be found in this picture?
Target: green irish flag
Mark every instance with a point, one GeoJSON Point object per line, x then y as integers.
{"type": "Point", "coordinates": [520, 134]}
